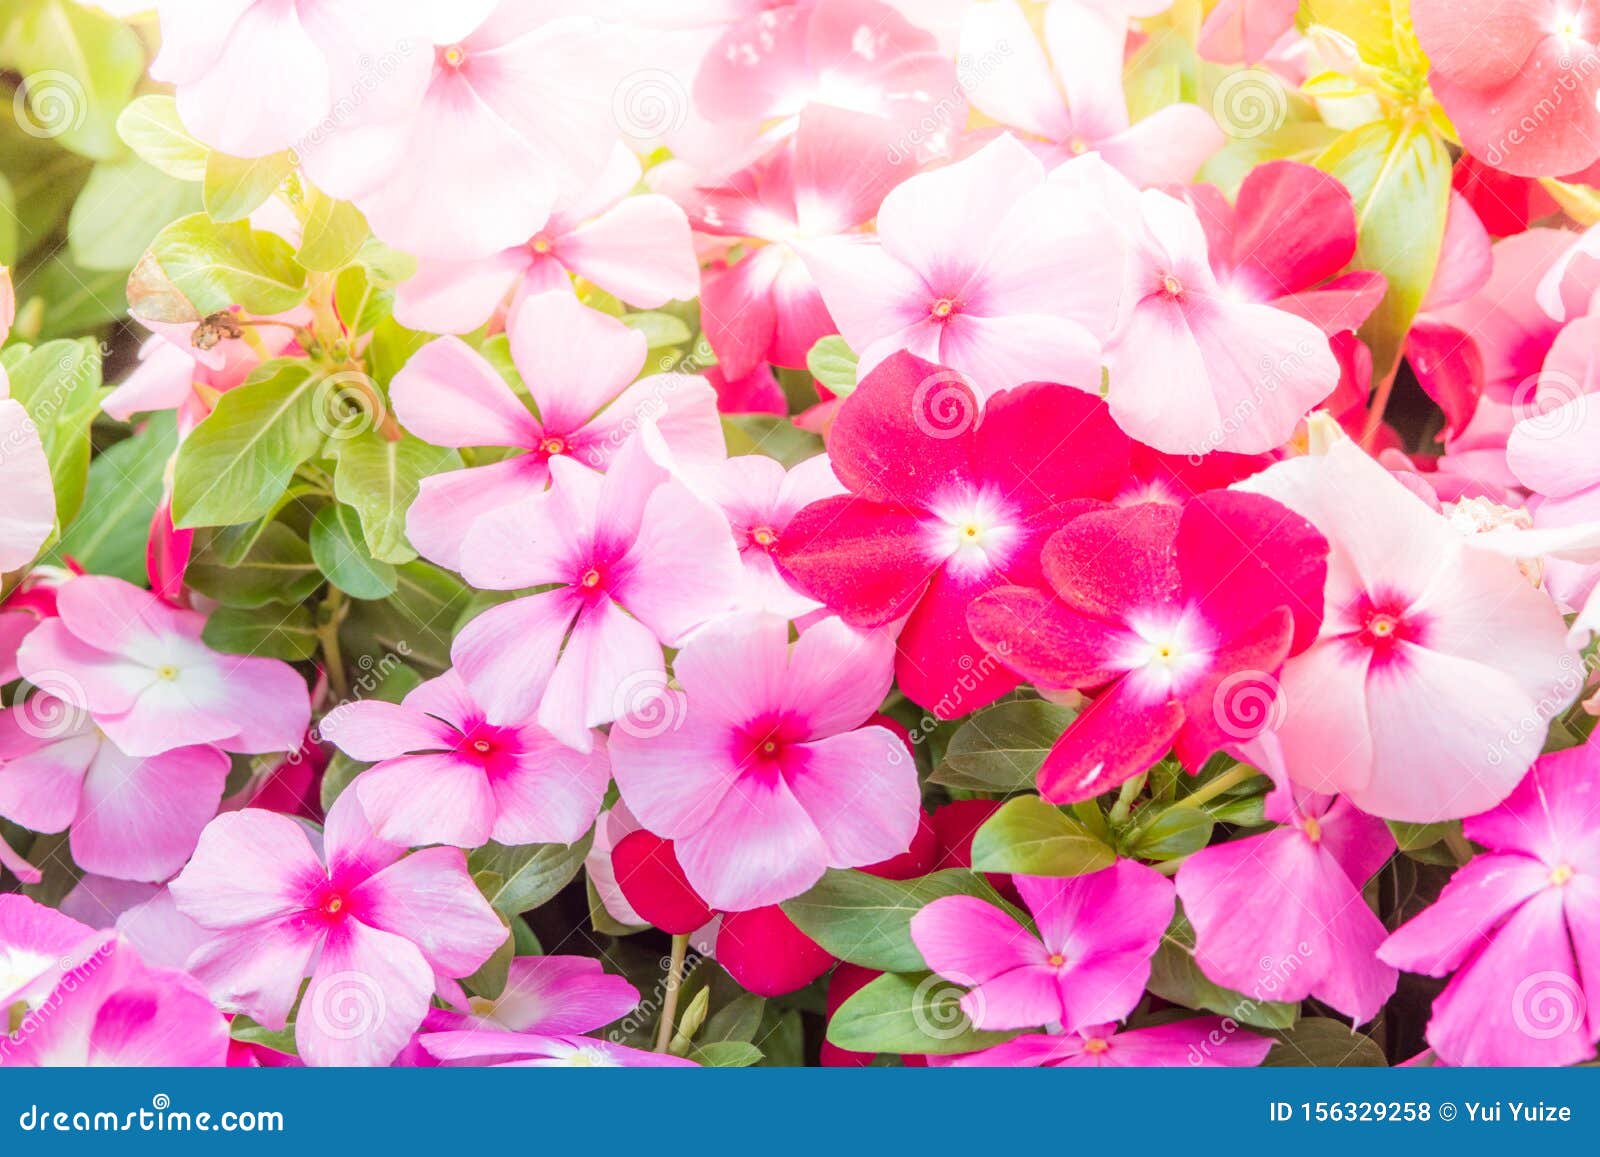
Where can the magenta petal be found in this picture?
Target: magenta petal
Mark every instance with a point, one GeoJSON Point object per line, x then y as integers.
{"type": "Point", "coordinates": [866, 561]}
{"type": "Point", "coordinates": [1117, 736]}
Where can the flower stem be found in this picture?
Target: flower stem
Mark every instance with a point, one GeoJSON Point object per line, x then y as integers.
{"type": "Point", "coordinates": [331, 618]}
{"type": "Point", "coordinates": [1232, 778]}
{"type": "Point", "coordinates": [669, 1004]}
{"type": "Point", "coordinates": [1130, 792]}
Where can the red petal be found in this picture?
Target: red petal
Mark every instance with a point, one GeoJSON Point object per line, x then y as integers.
{"type": "Point", "coordinates": [767, 954]}
{"type": "Point", "coordinates": [654, 884]}
{"type": "Point", "coordinates": [1449, 369]}
{"type": "Point", "coordinates": [1295, 225]}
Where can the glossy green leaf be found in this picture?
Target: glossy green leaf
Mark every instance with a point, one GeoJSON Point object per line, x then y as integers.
{"type": "Point", "coordinates": [273, 632]}
{"type": "Point", "coordinates": [151, 127]}
{"type": "Point", "coordinates": [1001, 747]}
{"type": "Point", "coordinates": [529, 874]}
{"type": "Point", "coordinates": [341, 554]}
{"type": "Point", "coordinates": [332, 235]}
{"type": "Point", "coordinates": [216, 266]}
{"type": "Point", "coordinates": [833, 363]}
{"type": "Point", "coordinates": [79, 66]}
{"type": "Point", "coordinates": [120, 211]}
{"type": "Point", "coordinates": [1031, 836]}
{"type": "Point", "coordinates": [918, 1012]}
{"type": "Point", "coordinates": [57, 384]}
{"type": "Point", "coordinates": [380, 478]}
{"type": "Point", "coordinates": [276, 569]}
{"type": "Point", "coordinates": [110, 533]}
{"type": "Point", "coordinates": [235, 187]}
{"type": "Point", "coordinates": [867, 920]}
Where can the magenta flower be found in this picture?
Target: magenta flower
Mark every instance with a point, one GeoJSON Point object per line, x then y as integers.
{"type": "Point", "coordinates": [444, 774]}
{"type": "Point", "coordinates": [374, 928]}
{"type": "Point", "coordinates": [1072, 101]}
{"type": "Point", "coordinates": [760, 768]}
{"type": "Point", "coordinates": [133, 817]}
{"type": "Point", "coordinates": [982, 266]}
{"type": "Point", "coordinates": [1180, 616]}
{"type": "Point", "coordinates": [1519, 926]}
{"type": "Point", "coordinates": [1280, 916]}
{"type": "Point", "coordinates": [113, 1010]}
{"type": "Point", "coordinates": [1428, 691]}
{"type": "Point", "coordinates": [632, 559]}
{"type": "Point", "coordinates": [137, 665]}
{"type": "Point", "coordinates": [579, 366]}
{"type": "Point", "coordinates": [636, 248]}
{"type": "Point", "coordinates": [1202, 1042]}
{"type": "Point", "coordinates": [547, 995]}
{"type": "Point", "coordinates": [1087, 965]}
{"type": "Point", "coordinates": [944, 505]}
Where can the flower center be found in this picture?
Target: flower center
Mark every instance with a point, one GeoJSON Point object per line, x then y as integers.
{"type": "Point", "coordinates": [764, 537]}
{"type": "Point", "coordinates": [482, 746]}
{"type": "Point", "coordinates": [1077, 146]}
{"type": "Point", "coordinates": [540, 245]}
{"type": "Point", "coordinates": [1096, 1046]}
{"type": "Point", "coordinates": [1171, 286]}
{"type": "Point", "coordinates": [553, 446]}
{"type": "Point", "coordinates": [1561, 875]}
{"type": "Point", "coordinates": [452, 56]}
{"type": "Point", "coordinates": [167, 671]}
{"type": "Point", "coordinates": [942, 308]}
{"type": "Point", "coordinates": [591, 578]}
{"type": "Point", "coordinates": [1312, 829]}
{"type": "Point", "coordinates": [1056, 960]}
{"type": "Point", "coordinates": [332, 904]}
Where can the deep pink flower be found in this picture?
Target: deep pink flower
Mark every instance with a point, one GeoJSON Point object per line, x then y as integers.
{"type": "Point", "coordinates": [762, 773]}
{"type": "Point", "coordinates": [1429, 689]}
{"type": "Point", "coordinates": [825, 180]}
{"type": "Point", "coordinates": [134, 817]}
{"type": "Point", "coordinates": [944, 504]}
{"type": "Point", "coordinates": [632, 559]}
{"type": "Point", "coordinates": [374, 928]}
{"type": "Point", "coordinates": [579, 366]}
{"type": "Point", "coordinates": [1204, 1041]}
{"type": "Point", "coordinates": [636, 248]}
{"type": "Point", "coordinates": [1280, 916]}
{"type": "Point", "coordinates": [982, 266]}
{"type": "Point", "coordinates": [137, 665]}
{"type": "Point", "coordinates": [1072, 100]}
{"type": "Point", "coordinates": [548, 995]}
{"type": "Point", "coordinates": [1179, 615]}
{"type": "Point", "coordinates": [1087, 966]}
{"type": "Point", "coordinates": [444, 774]}
{"type": "Point", "coordinates": [1519, 926]}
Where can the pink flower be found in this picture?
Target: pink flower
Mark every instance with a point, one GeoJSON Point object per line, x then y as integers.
{"type": "Point", "coordinates": [1541, 55]}
{"type": "Point", "coordinates": [543, 1051]}
{"type": "Point", "coordinates": [1519, 926]}
{"type": "Point", "coordinates": [632, 559]}
{"type": "Point", "coordinates": [34, 943]}
{"type": "Point", "coordinates": [579, 366]}
{"type": "Point", "coordinates": [981, 266]}
{"type": "Point", "coordinates": [945, 504]}
{"type": "Point", "coordinates": [1245, 30]}
{"type": "Point", "coordinates": [1073, 100]}
{"type": "Point", "coordinates": [445, 775]}
{"type": "Point", "coordinates": [769, 777]}
{"type": "Point", "coordinates": [137, 665]}
{"type": "Point", "coordinates": [1204, 1041]}
{"type": "Point", "coordinates": [1429, 688]}
{"type": "Point", "coordinates": [372, 927]}
{"type": "Point", "coordinates": [28, 515]}
{"type": "Point", "coordinates": [133, 817]}
{"type": "Point", "coordinates": [1280, 916]}
{"type": "Point", "coordinates": [548, 995]}
{"type": "Point", "coordinates": [1180, 615]}
{"type": "Point", "coordinates": [1248, 372]}
{"type": "Point", "coordinates": [493, 115]}
{"type": "Point", "coordinates": [1087, 966]}
{"type": "Point", "coordinates": [760, 499]}
{"type": "Point", "coordinates": [636, 248]}
{"type": "Point", "coordinates": [113, 1010]}
{"type": "Point", "coordinates": [825, 180]}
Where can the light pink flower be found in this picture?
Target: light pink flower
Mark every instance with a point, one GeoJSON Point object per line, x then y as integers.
{"type": "Point", "coordinates": [1072, 101]}
{"type": "Point", "coordinates": [763, 774]}
{"type": "Point", "coordinates": [375, 929]}
{"type": "Point", "coordinates": [494, 114]}
{"type": "Point", "coordinates": [1430, 686]}
{"type": "Point", "coordinates": [133, 817]}
{"type": "Point", "coordinates": [137, 665]}
{"type": "Point", "coordinates": [633, 559]}
{"type": "Point", "coordinates": [543, 1051]}
{"type": "Point", "coordinates": [548, 995]}
{"type": "Point", "coordinates": [760, 498]}
{"type": "Point", "coordinates": [1519, 926]}
{"type": "Point", "coordinates": [1203, 1041]}
{"type": "Point", "coordinates": [636, 248]}
{"type": "Point", "coordinates": [981, 266]}
{"type": "Point", "coordinates": [34, 941]}
{"type": "Point", "coordinates": [444, 774]}
{"type": "Point", "coordinates": [579, 366]}
{"type": "Point", "coordinates": [28, 514]}
{"type": "Point", "coordinates": [1087, 966]}
{"type": "Point", "coordinates": [113, 1010]}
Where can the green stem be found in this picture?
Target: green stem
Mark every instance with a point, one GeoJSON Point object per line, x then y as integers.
{"type": "Point", "coordinates": [331, 617]}
{"type": "Point", "coordinates": [1130, 792]}
{"type": "Point", "coordinates": [669, 1004]}
{"type": "Point", "coordinates": [1458, 845]}
{"type": "Point", "coordinates": [1232, 778]}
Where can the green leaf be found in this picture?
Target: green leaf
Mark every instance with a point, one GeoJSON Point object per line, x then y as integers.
{"type": "Point", "coordinates": [728, 1054]}
{"type": "Point", "coordinates": [277, 568]}
{"type": "Point", "coordinates": [908, 1013]}
{"type": "Point", "coordinates": [235, 187]}
{"type": "Point", "coordinates": [74, 300]}
{"type": "Point", "coordinates": [529, 874]}
{"type": "Point", "coordinates": [110, 533]}
{"type": "Point", "coordinates": [1399, 174]}
{"type": "Point", "coordinates": [1176, 977]}
{"type": "Point", "coordinates": [332, 236]}
{"type": "Point", "coordinates": [867, 920]}
{"type": "Point", "coordinates": [1323, 1043]}
{"type": "Point", "coordinates": [237, 463]}
{"type": "Point", "coordinates": [79, 67]}
{"type": "Point", "coordinates": [1000, 748]}
{"type": "Point", "coordinates": [1416, 837]}
{"type": "Point", "coordinates": [490, 979]}
{"type": "Point", "coordinates": [215, 266]}
{"type": "Point", "coordinates": [380, 479]}
{"type": "Point", "coordinates": [833, 363]}
{"type": "Point", "coordinates": [120, 210]}
{"type": "Point", "coordinates": [58, 383]}
{"type": "Point", "coordinates": [1175, 831]}
{"type": "Point", "coordinates": [770, 435]}
{"type": "Point", "coordinates": [151, 127]}
{"type": "Point", "coordinates": [242, 1028]}
{"type": "Point", "coordinates": [341, 553]}
{"type": "Point", "coordinates": [738, 1020]}
{"type": "Point", "coordinates": [274, 632]}
{"type": "Point", "coordinates": [1035, 838]}
{"type": "Point", "coordinates": [660, 329]}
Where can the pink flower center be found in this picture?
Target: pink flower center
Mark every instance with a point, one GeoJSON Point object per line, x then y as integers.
{"type": "Point", "coordinates": [451, 56]}
{"type": "Point", "coordinates": [943, 308]}
{"type": "Point", "coordinates": [1385, 621]}
{"type": "Point", "coordinates": [541, 245]}
{"type": "Point", "coordinates": [764, 537]}
{"type": "Point", "coordinates": [761, 746]}
{"type": "Point", "coordinates": [1096, 1046]}
{"type": "Point", "coordinates": [592, 578]}
{"type": "Point", "coordinates": [1561, 874]}
{"type": "Point", "coordinates": [1171, 286]}
{"type": "Point", "coordinates": [552, 446]}
{"type": "Point", "coordinates": [1056, 960]}
{"type": "Point", "coordinates": [1312, 829]}
{"type": "Point", "coordinates": [330, 905]}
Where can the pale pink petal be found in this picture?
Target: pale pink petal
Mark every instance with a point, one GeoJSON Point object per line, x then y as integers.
{"type": "Point", "coordinates": [429, 898]}
{"type": "Point", "coordinates": [449, 395]}
{"type": "Point", "coordinates": [639, 251]}
{"type": "Point", "coordinates": [758, 847]}
{"type": "Point", "coordinates": [368, 994]}
{"type": "Point", "coordinates": [574, 359]}
{"type": "Point", "coordinates": [428, 799]}
{"type": "Point", "coordinates": [248, 867]}
{"type": "Point", "coordinates": [860, 790]}
{"type": "Point", "coordinates": [141, 817]}
{"type": "Point", "coordinates": [445, 296]}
